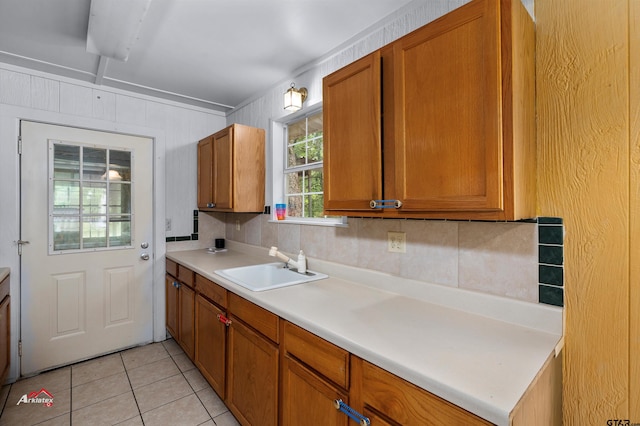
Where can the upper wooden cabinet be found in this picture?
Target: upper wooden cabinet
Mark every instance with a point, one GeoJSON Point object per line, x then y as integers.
{"type": "Point", "coordinates": [440, 123]}
{"type": "Point", "coordinates": [231, 170]}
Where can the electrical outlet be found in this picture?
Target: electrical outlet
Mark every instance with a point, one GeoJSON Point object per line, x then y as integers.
{"type": "Point", "coordinates": [396, 242]}
{"type": "Point", "coordinates": [167, 225]}
{"type": "Point", "coordinates": [237, 225]}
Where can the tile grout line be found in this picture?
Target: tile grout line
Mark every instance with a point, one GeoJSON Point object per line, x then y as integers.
{"type": "Point", "coordinates": [126, 371]}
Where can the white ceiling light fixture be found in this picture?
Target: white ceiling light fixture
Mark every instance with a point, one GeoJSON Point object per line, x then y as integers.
{"type": "Point", "coordinates": [114, 26]}
{"type": "Point", "coordinates": [293, 98]}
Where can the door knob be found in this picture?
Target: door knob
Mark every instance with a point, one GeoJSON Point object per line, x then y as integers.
{"type": "Point", "coordinates": [144, 245]}
{"type": "Point", "coordinates": [144, 256]}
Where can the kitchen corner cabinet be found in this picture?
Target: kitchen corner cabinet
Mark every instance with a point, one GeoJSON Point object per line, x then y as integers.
{"type": "Point", "coordinates": [439, 123]}
{"type": "Point", "coordinates": [180, 306]}
{"type": "Point", "coordinates": [5, 329]}
{"type": "Point", "coordinates": [252, 363]}
{"type": "Point", "coordinates": [231, 170]}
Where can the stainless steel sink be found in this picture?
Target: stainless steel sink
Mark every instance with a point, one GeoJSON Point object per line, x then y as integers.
{"type": "Point", "coordinates": [267, 276]}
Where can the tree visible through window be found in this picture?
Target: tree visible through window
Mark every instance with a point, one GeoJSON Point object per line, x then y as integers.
{"type": "Point", "coordinates": [303, 176]}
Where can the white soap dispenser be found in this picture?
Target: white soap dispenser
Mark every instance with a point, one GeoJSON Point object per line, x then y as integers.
{"type": "Point", "coordinates": [302, 263]}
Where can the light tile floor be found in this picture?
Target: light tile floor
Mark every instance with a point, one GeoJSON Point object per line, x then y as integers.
{"type": "Point", "coordinates": [151, 385]}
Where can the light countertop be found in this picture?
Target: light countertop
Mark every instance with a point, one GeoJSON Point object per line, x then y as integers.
{"type": "Point", "coordinates": [478, 351]}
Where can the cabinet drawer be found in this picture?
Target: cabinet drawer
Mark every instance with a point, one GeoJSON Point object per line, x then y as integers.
{"type": "Point", "coordinates": [172, 268]}
{"type": "Point", "coordinates": [253, 315]}
{"type": "Point", "coordinates": [185, 275]}
{"type": "Point", "coordinates": [4, 288]}
{"type": "Point", "coordinates": [322, 356]}
{"type": "Point", "coordinates": [211, 291]}
{"type": "Point", "coordinates": [406, 403]}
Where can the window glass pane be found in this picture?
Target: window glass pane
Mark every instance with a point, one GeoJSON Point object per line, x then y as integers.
{"type": "Point", "coordinates": [66, 233]}
{"type": "Point", "coordinates": [119, 198]}
{"type": "Point", "coordinates": [66, 162]}
{"type": "Point", "coordinates": [119, 231]}
{"type": "Point", "coordinates": [94, 232]}
{"type": "Point", "coordinates": [66, 197]}
{"type": "Point", "coordinates": [94, 164]}
{"type": "Point", "coordinates": [94, 198]}
{"type": "Point", "coordinates": [295, 206]}
{"type": "Point", "coordinates": [120, 165]}
{"type": "Point", "coordinates": [304, 193]}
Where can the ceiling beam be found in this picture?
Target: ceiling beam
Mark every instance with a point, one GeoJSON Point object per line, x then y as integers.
{"type": "Point", "coordinates": [102, 69]}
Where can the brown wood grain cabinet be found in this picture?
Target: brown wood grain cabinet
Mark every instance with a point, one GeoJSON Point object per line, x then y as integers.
{"type": "Point", "coordinates": [172, 306]}
{"type": "Point", "coordinates": [5, 329]}
{"type": "Point", "coordinates": [180, 306]}
{"type": "Point", "coordinates": [441, 120]}
{"type": "Point", "coordinates": [186, 313]}
{"type": "Point", "coordinates": [231, 170]}
{"type": "Point", "coordinates": [315, 373]}
{"type": "Point", "coordinates": [252, 363]}
{"type": "Point", "coordinates": [390, 400]}
{"type": "Point", "coordinates": [211, 333]}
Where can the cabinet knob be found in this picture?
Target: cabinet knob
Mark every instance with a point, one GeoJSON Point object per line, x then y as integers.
{"type": "Point", "coordinates": [210, 205]}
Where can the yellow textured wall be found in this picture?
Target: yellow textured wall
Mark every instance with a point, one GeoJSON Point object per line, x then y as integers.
{"type": "Point", "coordinates": [588, 163]}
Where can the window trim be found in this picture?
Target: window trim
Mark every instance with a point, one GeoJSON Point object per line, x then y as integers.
{"type": "Point", "coordinates": [279, 161]}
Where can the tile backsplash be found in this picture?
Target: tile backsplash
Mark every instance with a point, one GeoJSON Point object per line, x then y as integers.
{"type": "Point", "coordinates": [519, 260]}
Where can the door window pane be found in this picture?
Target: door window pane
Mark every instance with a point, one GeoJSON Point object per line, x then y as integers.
{"type": "Point", "coordinates": [66, 162]}
{"type": "Point", "coordinates": [90, 204]}
{"type": "Point", "coordinates": [94, 164]}
{"type": "Point", "coordinates": [66, 231]}
{"type": "Point", "coordinates": [119, 231]}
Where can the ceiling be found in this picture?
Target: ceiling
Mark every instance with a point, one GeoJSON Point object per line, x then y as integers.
{"type": "Point", "coordinates": [211, 53]}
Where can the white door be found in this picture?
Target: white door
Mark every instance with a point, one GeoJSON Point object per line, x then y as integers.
{"type": "Point", "coordinates": [86, 211]}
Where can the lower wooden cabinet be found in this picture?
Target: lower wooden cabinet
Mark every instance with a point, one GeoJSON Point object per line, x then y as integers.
{"type": "Point", "coordinates": [211, 344]}
{"type": "Point", "coordinates": [252, 376]}
{"type": "Point", "coordinates": [393, 401]}
{"type": "Point", "coordinates": [307, 397]}
{"type": "Point", "coordinates": [180, 306]}
{"type": "Point", "coordinates": [186, 323]}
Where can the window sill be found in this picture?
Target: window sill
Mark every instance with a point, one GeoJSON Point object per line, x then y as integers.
{"type": "Point", "coordinates": [343, 224]}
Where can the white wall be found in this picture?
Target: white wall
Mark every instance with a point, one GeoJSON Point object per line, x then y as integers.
{"type": "Point", "coordinates": [175, 128]}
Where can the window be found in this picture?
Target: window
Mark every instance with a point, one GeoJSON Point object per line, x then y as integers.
{"type": "Point", "coordinates": [303, 175]}
{"type": "Point", "coordinates": [90, 195]}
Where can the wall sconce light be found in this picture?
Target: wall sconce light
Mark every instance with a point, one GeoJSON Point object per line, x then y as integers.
{"type": "Point", "coordinates": [293, 98]}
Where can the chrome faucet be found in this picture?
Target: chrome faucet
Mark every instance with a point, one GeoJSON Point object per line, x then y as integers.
{"type": "Point", "coordinates": [300, 265]}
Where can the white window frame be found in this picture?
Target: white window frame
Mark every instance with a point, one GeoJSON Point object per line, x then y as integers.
{"type": "Point", "coordinates": [279, 151]}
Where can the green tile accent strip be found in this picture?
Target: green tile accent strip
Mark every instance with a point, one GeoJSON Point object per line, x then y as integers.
{"type": "Point", "coordinates": [551, 295]}
{"type": "Point", "coordinates": [553, 275]}
{"type": "Point", "coordinates": [551, 261]}
{"type": "Point", "coordinates": [550, 234]}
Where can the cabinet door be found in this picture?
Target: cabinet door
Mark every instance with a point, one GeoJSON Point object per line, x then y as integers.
{"type": "Point", "coordinates": [205, 173]}
{"type": "Point", "coordinates": [5, 331]}
{"type": "Point", "coordinates": [352, 136]}
{"type": "Point", "coordinates": [186, 316]}
{"type": "Point", "coordinates": [308, 399]}
{"type": "Point", "coordinates": [223, 169]}
{"type": "Point", "coordinates": [171, 306]}
{"type": "Point", "coordinates": [252, 376]}
{"type": "Point", "coordinates": [211, 341]}
{"type": "Point", "coordinates": [447, 106]}
{"type": "Point", "coordinates": [403, 403]}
